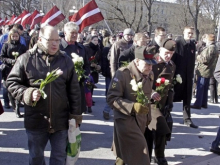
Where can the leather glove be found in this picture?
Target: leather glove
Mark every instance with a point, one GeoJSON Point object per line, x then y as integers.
{"type": "Point", "coordinates": [140, 109]}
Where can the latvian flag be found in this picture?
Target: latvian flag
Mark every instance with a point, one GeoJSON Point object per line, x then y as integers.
{"type": "Point", "coordinates": [34, 19]}
{"type": "Point", "coordinates": [53, 17]}
{"type": "Point", "coordinates": [87, 15]}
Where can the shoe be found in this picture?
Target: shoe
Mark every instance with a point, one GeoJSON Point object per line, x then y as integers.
{"type": "Point", "coordinates": [195, 107]}
{"type": "Point", "coordinates": [106, 115]}
{"type": "Point", "coordinates": [211, 101]}
{"type": "Point", "coordinates": [189, 123]}
{"type": "Point", "coordinates": [161, 161]}
{"type": "Point", "coordinates": [215, 150]}
{"type": "Point", "coordinates": [19, 116]}
{"type": "Point", "coordinates": [89, 109]}
{"type": "Point", "coordinates": [93, 103]}
{"type": "Point", "coordinates": [205, 106]}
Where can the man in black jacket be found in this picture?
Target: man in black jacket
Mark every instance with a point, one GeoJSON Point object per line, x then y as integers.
{"type": "Point", "coordinates": [48, 120]}
{"type": "Point", "coordinates": [69, 45]}
{"type": "Point", "coordinates": [184, 58]}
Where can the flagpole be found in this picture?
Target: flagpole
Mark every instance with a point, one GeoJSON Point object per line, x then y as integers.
{"type": "Point", "coordinates": [218, 30]}
{"type": "Point", "coordinates": [108, 27]}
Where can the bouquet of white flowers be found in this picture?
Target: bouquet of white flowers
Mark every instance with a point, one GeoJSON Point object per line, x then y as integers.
{"type": "Point", "coordinates": [78, 63]}
{"type": "Point", "coordinates": [51, 76]}
{"type": "Point", "coordinates": [137, 87]}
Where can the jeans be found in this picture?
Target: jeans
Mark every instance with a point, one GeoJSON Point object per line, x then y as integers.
{"type": "Point", "coordinates": [37, 141]}
{"type": "Point", "coordinates": [216, 142]}
{"type": "Point", "coordinates": [107, 83]}
{"type": "Point", "coordinates": [202, 91]}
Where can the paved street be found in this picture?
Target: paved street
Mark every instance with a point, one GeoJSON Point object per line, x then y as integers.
{"type": "Point", "coordinates": [188, 146]}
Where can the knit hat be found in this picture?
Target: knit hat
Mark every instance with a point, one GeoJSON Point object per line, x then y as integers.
{"type": "Point", "coordinates": [128, 31]}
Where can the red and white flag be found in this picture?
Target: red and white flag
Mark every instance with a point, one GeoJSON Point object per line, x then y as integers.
{"type": "Point", "coordinates": [25, 18]}
{"type": "Point", "coordinates": [6, 21]}
{"type": "Point", "coordinates": [87, 15]}
{"type": "Point", "coordinates": [34, 19]}
{"type": "Point", "coordinates": [53, 17]}
{"type": "Point", "coordinates": [19, 18]}
{"type": "Point", "coordinates": [12, 20]}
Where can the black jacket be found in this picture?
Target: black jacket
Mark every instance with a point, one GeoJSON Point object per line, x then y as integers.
{"type": "Point", "coordinates": [63, 94]}
{"type": "Point", "coordinates": [105, 62]}
{"type": "Point", "coordinates": [7, 58]}
{"type": "Point", "coordinates": [126, 56]}
{"type": "Point", "coordinates": [79, 50]}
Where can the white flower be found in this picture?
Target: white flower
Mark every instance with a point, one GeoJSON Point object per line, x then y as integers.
{"type": "Point", "coordinates": [166, 82]}
{"type": "Point", "coordinates": [139, 85]}
{"type": "Point", "coordinates": [48, 73]}
{"type": "Point", "coordinates": [158, 80]}
{"type": "Point", "coordinates": [80, 59]}
{"type": "Point", "coordinates": [59, 72]}
{"type": "Point", "coordinates": [133, 82]}
{"type": "Point", "coordinates": [179, 79]}
{"type": "Point", "coordinates": [74, 55]}
{"type": "Point", "coordinates": [135, 88]}
{"type": "Point", "coordinates": [13, 53]}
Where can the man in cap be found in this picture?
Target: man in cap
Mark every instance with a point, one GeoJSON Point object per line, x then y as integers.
{"type": "Point", "coordinates": [159, 130]}
{"type": "Point", "coordinates": [130, 116]}
{"type": "Point", "coordinates": [118, 47]}
{"type": "Point", "coordinates": [184, 58]}
{"type": "Point", "coordinates": [69, 45]}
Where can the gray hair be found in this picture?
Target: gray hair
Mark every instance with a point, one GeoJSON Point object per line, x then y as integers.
{"type": "Point", "coordinates": [71, 26]}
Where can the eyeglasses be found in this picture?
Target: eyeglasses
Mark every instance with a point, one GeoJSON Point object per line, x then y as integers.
{"type": "Point", "coordinates": [51, 40]}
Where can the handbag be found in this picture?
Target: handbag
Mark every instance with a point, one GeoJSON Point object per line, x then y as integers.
{"type": "Point", "coordinates": [74, 143]}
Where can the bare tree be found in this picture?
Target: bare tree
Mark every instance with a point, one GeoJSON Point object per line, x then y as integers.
{"type": "Point", "coordinates": [211, 10]}
{"type": "Point", "coordinates": [127, 15]}
{"type": "Point", "coordinates": [194, 7]}
{"type": "Point", "coordinates": [17, 6]}
{"type": "Point", "coordinates": [148, 4]}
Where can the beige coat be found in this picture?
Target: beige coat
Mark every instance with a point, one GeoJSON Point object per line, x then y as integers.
{"type": "Point", "coordinates": [129, 142]}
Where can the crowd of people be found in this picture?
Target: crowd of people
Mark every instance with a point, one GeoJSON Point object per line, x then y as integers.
{"type": "Point", "coordinates": [133, 64]}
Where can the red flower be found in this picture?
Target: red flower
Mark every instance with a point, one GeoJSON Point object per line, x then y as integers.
{"type": "Point", "coordinates": [157, 84]}
{"type": "Point", "coordinates": [92, 58]}
{"type": "Point", "coordinates": [162, 80]}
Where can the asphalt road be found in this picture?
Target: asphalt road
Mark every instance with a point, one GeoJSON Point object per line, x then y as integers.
{"type": "Point", "coordinates": [188, 146]}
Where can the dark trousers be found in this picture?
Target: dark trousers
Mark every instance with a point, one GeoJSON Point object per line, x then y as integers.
{"type": "Point", "coordinates": [213, 86]}
{"type": "Point", "coordinates": [215, 143]}
{"type": "Point", "coordinates": [187, 97]}
{"type": "Point", "coordinates": [5, 96]}
{"type": "Point", "coordinates": [202, 91]}
{"type": "Point", "coordinates": [37, 141]}
{"type": "Point", "coordinates": [159, 142]}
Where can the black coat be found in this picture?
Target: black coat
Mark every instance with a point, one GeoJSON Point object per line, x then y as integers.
{"type": "Point", "coordinates": [105, 62]}
{"type": "Point", "coordinates": [7, 58]}
{"type": "Point", "coordinates": [126, 56]}
{"type": "Point", "coordinates": [79, 49]}
{"type": "Point", "coordinates": [94, 51]}
{"type": "Point", "coordinates": [63, 94]}
{"type": "Point", "coordinates": [184, 59]}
